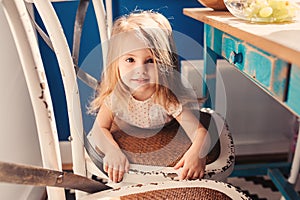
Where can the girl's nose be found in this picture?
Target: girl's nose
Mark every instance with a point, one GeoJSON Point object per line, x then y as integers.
{"type": "Point", "coordinates": [141, 69]}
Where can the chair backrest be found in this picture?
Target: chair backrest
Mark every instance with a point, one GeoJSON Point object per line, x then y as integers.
{"type": "Point", "coordinates": [20, 21]}
{"type": "Point", "coordinates": [28, 50]}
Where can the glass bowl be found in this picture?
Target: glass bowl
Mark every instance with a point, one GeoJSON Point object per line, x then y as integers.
{"type": "Point", "coordinates": [263, 10]}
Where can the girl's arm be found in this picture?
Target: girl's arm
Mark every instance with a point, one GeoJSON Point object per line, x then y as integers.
{"type": "Point", "coordinates": [115, 162]}
{"type": "Point", "coordinates": [194, 160]}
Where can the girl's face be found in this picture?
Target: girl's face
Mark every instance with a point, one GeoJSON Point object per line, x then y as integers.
{"type": "Point", "coordinates": [137, 71]}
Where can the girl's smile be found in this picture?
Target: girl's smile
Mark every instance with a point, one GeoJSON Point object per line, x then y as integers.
{"type": "Point", "coordinates": [140, 80]}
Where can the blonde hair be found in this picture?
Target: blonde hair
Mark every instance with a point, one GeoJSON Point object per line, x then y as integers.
{"type": "Point", "coordinates": [155, 31]}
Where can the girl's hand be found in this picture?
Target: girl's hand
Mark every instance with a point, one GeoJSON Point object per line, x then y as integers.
{"type": "Point", "coordinates": [193, 166]}
{"type": "Point", "coordinates": [115, 164]}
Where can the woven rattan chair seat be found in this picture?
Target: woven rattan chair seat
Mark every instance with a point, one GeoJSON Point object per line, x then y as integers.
{"type": "Point", "coordinates": [196, 193]}
{"type": "Point", "coordinates": [160, 147]}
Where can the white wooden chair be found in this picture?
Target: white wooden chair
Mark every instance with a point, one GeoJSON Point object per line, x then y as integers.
{"type": "Point", "coordinates": [24, 33]}
{"type": "Point", "coordinates": [26, 41]}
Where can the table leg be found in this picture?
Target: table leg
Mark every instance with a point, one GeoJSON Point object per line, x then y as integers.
{"type": "Point", "coordinates": [294, 173]}
{"type": "Point", "coordinates": [209, 79]}
{"type": "Point", "coordinates": [296, 160]}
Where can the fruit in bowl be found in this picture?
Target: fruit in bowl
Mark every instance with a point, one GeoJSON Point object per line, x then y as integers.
{"type": "Point", "coordinates": [263, 10]}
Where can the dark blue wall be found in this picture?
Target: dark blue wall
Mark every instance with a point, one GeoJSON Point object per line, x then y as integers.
{"type": "Point", "coordinates": [172, 9]}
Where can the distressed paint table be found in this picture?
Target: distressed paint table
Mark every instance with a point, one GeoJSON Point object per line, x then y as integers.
{"type": "Point", "coordinates": [269, 55]}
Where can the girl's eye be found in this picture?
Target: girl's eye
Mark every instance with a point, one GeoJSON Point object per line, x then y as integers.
{"type": "Point", "coordinates": [150, 60]}
{"type": "Point", "coordinates": [130, 60]}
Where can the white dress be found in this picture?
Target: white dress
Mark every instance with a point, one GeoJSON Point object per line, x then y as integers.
{"type": "Point", "coordinates": [144, 114]}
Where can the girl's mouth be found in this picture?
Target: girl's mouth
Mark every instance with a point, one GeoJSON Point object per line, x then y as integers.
{"type": "Point", "coordinates": [140, 80]}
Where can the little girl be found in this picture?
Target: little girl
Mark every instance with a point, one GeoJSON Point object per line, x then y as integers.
{"type": "Point", "coordinates": [139, 87]}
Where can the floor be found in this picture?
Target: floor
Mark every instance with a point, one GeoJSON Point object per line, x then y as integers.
{"type": "Point", "coordinates": [256, 187]}
{"type": "Point", "coordinates": [260, 187]}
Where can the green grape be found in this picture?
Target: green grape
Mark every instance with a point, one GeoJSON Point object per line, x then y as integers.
{"type": "Point", "coordinates": [262, 3]}
{"type": "Point", "coordinates": [280, 14]}
{"type": "Point", "coordinates": [266, 11]}
{"type": "Point", "coordinates": [255, 8]}
{"type": "Point", "coordinates": [249, 12]}
{"type": "Point", "coordinates": [278, 4]}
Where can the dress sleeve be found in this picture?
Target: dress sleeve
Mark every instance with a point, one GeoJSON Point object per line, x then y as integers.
{"type": "Point", "coordinates": [175, 110]}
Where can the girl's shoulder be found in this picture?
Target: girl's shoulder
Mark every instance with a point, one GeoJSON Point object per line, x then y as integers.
{"type": "Point", "coordinates": [174, 109]}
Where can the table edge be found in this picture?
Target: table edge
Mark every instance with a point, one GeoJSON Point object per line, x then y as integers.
{"type": "Point", "coordinates": [279, 50]}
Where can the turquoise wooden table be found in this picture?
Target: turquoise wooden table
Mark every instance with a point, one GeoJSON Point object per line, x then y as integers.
{"type": "Point", "coordinates": [269, 55]}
